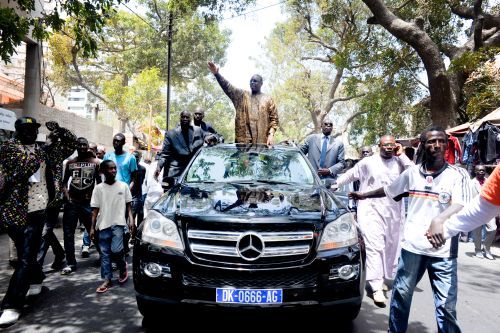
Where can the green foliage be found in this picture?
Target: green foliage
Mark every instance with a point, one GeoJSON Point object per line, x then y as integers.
{"type": "Point", "coordinates": [13, 28]}
{"type": "Point", "coordinates": [88, 17]}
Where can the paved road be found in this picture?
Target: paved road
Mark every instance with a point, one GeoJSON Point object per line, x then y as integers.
{"type": "Point", "coordinates": [70, 304]}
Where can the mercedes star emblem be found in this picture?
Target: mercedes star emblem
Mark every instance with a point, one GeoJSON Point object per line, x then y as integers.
{"type": "Point", "coordinates": [250, 246]}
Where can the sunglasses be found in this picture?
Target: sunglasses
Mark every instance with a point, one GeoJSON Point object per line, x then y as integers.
{"type": "Point", "coordinates": [328, 124]}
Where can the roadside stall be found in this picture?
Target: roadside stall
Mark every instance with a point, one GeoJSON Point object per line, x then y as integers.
{"type": "Point", "coordinates": [481, 140]}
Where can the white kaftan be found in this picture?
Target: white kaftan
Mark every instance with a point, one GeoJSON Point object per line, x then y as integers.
{"type": "Point", "coordinates": [380, 219]}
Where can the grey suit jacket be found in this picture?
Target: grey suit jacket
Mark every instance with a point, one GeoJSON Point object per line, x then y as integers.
{"type": "Point", "coordinates": [334, 153]}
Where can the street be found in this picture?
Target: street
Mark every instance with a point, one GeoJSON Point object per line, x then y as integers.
{"type": "Point", "coordinates": [70, 303]}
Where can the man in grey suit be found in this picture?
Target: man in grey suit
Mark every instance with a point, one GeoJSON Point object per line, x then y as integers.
{"type": "Point", "coordinates": [179, 147]}
{"type": "Point", "coordinates": [325, 153]}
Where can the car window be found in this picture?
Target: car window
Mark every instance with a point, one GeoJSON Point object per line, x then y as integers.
{"type": "Point", "coordinates": [227, 164]}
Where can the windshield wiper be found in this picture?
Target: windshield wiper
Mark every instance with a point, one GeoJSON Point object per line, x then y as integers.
{"type": "Point", "coordinates": [270, 181]}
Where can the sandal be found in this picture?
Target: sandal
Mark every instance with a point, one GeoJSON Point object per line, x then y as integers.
{"type": "Point", "coordinates": [123, 275]}
{"type": "Point", "coordinates": [103, 288]}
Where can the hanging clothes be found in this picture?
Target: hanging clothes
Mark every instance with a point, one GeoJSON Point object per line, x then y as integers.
{"type": "Point", "coordinates": [453, 153]}
{"type": "Point", "coordinates": [488, 142]}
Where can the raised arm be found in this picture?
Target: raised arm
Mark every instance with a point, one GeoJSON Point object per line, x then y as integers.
{"type": "Point", "coordinates": [235, 94]}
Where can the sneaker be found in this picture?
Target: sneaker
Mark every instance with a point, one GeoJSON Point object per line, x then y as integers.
{"type": "Point", "coordinates": [379, 298]}
{"type": "Point", "coordinates": [85, 251]}
{"type": "Point", "coordinates": [35, 290]}
{"type": "Point", "coordinates": [68, 270]}
{"type": "Point", "coordinates": [58, 263]}
{"type": "Point", "coordinates": [488, 255]}
{"type": "Point", "coordinates": [9, 317]}
{"type": "Point", "coordinates": [479, 254]}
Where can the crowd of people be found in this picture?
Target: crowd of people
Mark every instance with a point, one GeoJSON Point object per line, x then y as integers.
{"type": "Point", "coordinates": [36, 179]}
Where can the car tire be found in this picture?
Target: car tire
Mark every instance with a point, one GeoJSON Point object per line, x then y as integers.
{"type": "Point", "coordinates": [153, 312]}
{"type": "Point", "coordinates": [349, 312]}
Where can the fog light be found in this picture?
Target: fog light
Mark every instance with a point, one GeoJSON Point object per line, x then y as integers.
{"type": "Point", "coordinates": [348, 271]}
{"type": "Point", "coordinates": [152, 270]}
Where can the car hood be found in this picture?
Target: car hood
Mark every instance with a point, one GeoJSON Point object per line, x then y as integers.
{"type": "Point", "coordinates": [248, 199]}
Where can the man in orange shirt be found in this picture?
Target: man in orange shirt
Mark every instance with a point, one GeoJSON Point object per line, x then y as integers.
{"type": "Point", "coordinates": [479, 211]}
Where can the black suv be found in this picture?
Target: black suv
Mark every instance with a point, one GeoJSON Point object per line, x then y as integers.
{"type": "Point", "coordinates": [249, 226]}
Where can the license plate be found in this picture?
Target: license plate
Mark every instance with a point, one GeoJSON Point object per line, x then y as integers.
{"type": "Point", "coordinates": [249, 296]}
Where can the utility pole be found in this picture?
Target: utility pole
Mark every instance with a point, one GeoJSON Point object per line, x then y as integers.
{"type": "Point", "coordinates": [169, 63]}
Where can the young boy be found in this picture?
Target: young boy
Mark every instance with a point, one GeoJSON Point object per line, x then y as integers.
{"type": "Point", "coordinates": [110, 200]}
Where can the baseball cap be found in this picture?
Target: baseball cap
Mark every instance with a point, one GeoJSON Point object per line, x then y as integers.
{"type": "Point", "coordinates": [23, 121]}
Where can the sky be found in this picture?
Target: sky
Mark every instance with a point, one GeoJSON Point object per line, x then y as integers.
{"type": "Point", "coordinates": [247, 39]}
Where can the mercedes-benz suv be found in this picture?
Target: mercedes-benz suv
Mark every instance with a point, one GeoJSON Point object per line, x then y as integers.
{"type": "Point", "coordinates": [249, 226]}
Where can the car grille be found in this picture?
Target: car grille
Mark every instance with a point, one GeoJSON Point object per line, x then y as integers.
{"type": "Point", "coordinates": [272, 279]}
{"type": "Point", "coordinates": [251, 244]}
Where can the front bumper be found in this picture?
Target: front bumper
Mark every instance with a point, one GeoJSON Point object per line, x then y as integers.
{"type": "Point", "coordinates": [313, 284]}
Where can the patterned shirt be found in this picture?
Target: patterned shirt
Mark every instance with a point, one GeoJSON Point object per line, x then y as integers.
{"type": "Point", "coordinates": [19, 163]}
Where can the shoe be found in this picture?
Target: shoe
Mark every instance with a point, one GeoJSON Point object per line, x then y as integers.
{"type": "Point", "coordinates": [58, 263]}
{"type": "Point", "coordinates": [13, 263]}
{"type": "Point", "coordinates": [85, 251]}
{"type": "Point", "coordinates": [35, 290]}
{"type": "Point", "coordinates": [9, 317]}
{"type": "Point", "coordinates": [68, 270]}
{"type": "Point", "coordinates": [379, 298]}
{"type": "Point", "coordinates": [123, 275]}
{"type": "Point", "coordinates": [479, 254]}
{"type": "Point", "coordinates": [488, 255]}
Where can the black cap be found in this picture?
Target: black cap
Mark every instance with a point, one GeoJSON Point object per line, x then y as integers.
{"type": "Point", "coordinates": [23, 121]}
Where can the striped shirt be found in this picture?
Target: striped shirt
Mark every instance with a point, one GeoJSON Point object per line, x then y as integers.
{"type": "Point", "coordinates": [429, 195]}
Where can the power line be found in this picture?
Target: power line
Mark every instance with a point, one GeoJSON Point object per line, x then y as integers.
{"type": "Point", "coordinates": [253, 11]}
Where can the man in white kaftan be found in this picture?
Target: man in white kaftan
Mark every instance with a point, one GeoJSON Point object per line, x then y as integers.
{"type": "Point", "coordinates": [380, 219]}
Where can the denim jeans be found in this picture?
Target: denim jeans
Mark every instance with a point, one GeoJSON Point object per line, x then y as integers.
{"type": "Point", "coordinates": [74, 211]}
{"type": "Point", "coordinates": [28, 271]}
{"type": "Point", "coordinates": [86, 238]}
{"type": "Point", "coordinates": [443, 276]}
{"type": "Point", "coordinates": [111, 244]}
{"type": "Point", "coordinates": [49, 239]}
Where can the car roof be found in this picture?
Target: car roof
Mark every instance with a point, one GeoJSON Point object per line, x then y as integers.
{"type": "Point", "coordinates": [255, 147]}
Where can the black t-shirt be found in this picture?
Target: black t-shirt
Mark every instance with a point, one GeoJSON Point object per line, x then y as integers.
{"type": "Point", "coordinates": [83, 175]}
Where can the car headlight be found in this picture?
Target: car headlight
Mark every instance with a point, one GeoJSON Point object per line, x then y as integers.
{"type": "Point", "coordinates": [161, 231]}
{"type": "Point", "coordinates": [339, 233]}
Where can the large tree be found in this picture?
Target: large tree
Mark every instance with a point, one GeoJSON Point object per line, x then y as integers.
{"type": "Point", "coordinates": [326, 60]}
{"type": "Point", "coordinates": [432, 29]}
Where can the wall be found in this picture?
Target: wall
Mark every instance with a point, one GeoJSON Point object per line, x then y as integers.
{"type": "Point", "coordinates": [94, 132]}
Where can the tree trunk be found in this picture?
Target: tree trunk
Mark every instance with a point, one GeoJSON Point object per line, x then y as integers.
{"type": "Point", "coordinates": [123, 125]}
{"type": "Point", "coordinates": [444, 102]}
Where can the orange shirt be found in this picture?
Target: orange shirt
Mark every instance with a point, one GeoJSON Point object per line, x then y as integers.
{"type": "Point", "coordinates": [491, 188]}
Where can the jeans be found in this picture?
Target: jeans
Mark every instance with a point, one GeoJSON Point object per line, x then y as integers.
{"type": "Point", "coordinates": [72, 212]}
{"type": "Point", "coordinates": [86, 238]}
{"type": "Point", "coordinates": [27, 239]}
{"type": "Point", "coordinates": [443, 276]}
{"type": "Point", "coordinates": [111, 244]}
{"type": "Point", "coordinates": [49, 238]}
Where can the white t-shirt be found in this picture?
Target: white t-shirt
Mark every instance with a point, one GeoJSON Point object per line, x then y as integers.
{"type": "Point", "coordinates": [38, 195]}
{"type": "Point", "coordinates": [428, 197]}
{"type": "Point", "coordinates": [112, 202]}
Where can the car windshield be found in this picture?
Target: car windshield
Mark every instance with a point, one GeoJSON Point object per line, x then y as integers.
{"type": "Point", "coordinates": [243, 164]}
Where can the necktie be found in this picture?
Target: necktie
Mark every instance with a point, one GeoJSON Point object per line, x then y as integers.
{"type": "Point", "coordinates": [323, 152]}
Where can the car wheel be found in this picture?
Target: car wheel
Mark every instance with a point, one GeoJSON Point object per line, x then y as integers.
{"type": "Point", "coordinates": [153, 312]}
{"type": "Point", "coordinates": [349, 312]}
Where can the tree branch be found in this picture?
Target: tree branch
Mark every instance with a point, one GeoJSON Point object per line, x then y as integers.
{"type": "Point", "coordinates": [328, 60]}
{"type": "Point", "coordinates": [478, 25]}
{"type": "Point", "coordinates": [490, 20]}
{"type": "Point", "coordinates": [348, 122]}
{"type": "Point", "coordinates": [346, 98]}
